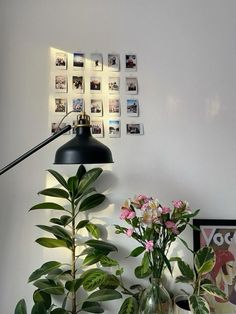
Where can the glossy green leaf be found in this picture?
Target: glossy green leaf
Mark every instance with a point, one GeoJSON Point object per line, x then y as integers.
{"type": "Point", "coordinates": [186, 270]}
{"type": "Point", "coordinates": [101, 245]}
{"type": "Point", "coordinates": [137, 251]}
{"type": "Point", "coordinates": [58, 231]}
{"type": "Point", "coordinates": [80, 172]}
{"type": "Point", "coordinates": [145, 262]}
{"type": "Point", "coordinates": [39, 308]}
{"type": "Point", "coordinates": [92, 307]}
{"type": "Point", "coordinates": [47, 205]}
{"type": "Point", "coordinates": [21, 307]}
{"type": "Point", "coordinates": [129, 306]}
{"type": "Point", "coordinates": [104, 295]}
{"type": "Point", "coordinates": [43, 270]}
{"type": "Point", "coordinates": [49, 286]}
{"type": "Point", "coordinates": [91, 258]}
{"type": "Point", "coordinates": [88, 178]}
{"type": "Point", "coordinates": [204, 260]}
{"type": "Point", "coordinates": [82, 224]}
{"type": "Point", "coordinates": [110, 282]}
{"type": "Point", "coordinates": [140, 273]}
{"type": "Point", "coordinates": [52, 243]}
{"type": "Point", "coordinates": [60, 311]}
{"type": "Point", "coordinates": [91, 202]}
{"type": "Point", "coordinates": [55, 192]}
{"type": "Point", "coordinates": [93, 230]}
{"type": "Point", "coordinates": [58, 177]}
{"type": "Point", "coordinates": [73, 185]}
{"type": "Point", "coordinates": [42, 297]}
{"type": "Point", "coordinates": [73, 285]}
{"type": "Point", "coordinates": [213, 290]}
{"type": "Point", "coordinates": [198, 305]}
{"type": "Point", "coordinates": [94, 279]}
{"type": "Point", "coordinates": [108, 262]}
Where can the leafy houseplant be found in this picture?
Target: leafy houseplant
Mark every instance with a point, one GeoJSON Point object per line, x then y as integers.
{"type": "Point", "coordinates": [204, 261]}
{"type": "Point", "coordinates": [70, 281]}
{"type": "Point", "coordinates": [155, 228]}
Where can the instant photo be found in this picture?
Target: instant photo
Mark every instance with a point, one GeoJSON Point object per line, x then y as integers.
{"type": "Point", "coordinates": [97, 129]}
{"type": "Point", "coordinates": [114, 128]}
{"type": "Point", "coordinates": [131, 85]}
{"type": "Point", "coordinates": [78, 61]}
{"type": "Point", "coordinates": [132, 107]}
{"type": "Point", "coordinates": [78, 84]}
{"type": "Point", "coordinates": [96, 62]}
{"type": "Point", "coordinates": [114, 62]}
{"type": "Point", "coordinates": [96, 107]}
{"type": "Point", "coordinates": [61, 60]}
{"type": "Point", "coordinates": [78, 104]}
{"type": "Point", "coordinates": [134, 129]}
{"type": "Point", "coordinates": [95, 84]}
{"type": "Point", "coordinates": [114, 106]}
{"type": "Point", "coordinates": [131, 62]}
{"type": "Point", "coordinates": [113, 85]}
{"type": "Point", "coordinates": [60, 105]}
{"type": "Point", "coordinates": [61, 83]}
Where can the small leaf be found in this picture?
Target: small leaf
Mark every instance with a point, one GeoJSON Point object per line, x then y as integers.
{"type": "Point", "coordinates": [88, 178]}
{"type": "Point", "coordinates": [45, 298]}
{"type": "Point", "coordinates": [94, 279]}
{"type": "Point", "coordinates": [129, 306]}
{"type": "Point", "coordinates": [110, 282]}
{"type": "Point", "coordinates": [107, 261]}
{"type": "Point", "coordinates": [82, 224]}
{"type": "Point", "coordinates": [57, 231]}
{"type": "Point", "coordinates": [47, 205]}
{"type": "Point", "coordinates": [80, 172]}
{"type": "Point", "coordinates": [186, 270]}
{"type": "Point", "coordinates": [52, 243]}
{"type": "Point", "coordinates": [58, 177]}
{"type": "Point", "coordinates": [73, 285]}
{"type": "Point", "coordinates": [54, 192]}
{"type": "Point", "coordinates": [198, 304]}
{"type": "Point", "coordinates": [92, 307]}
{"type": "Point", "coordinates": [44, 269]}
{"type": "Point", "coordinates": [39, 308]}
{"type": "Point", "coordinates": [73, 186]}
{"type": "Point", "coordinates": [139, 272]}
{"type": "Point", "coordinates": [101, 245]}
{"type": "Point", "coordinates": [49, 286]}
{"type": "Point", "coordinates": [91, 202]}
{"type": "Point", "coordinates": [204, 260]}
{"type": "Point", "coordinates": [136, 252]}
{"type": "Point", "coordinates": [91, 259]}
{"type": "Point", "coordinates": [213, 290]}
{"type": "Point", "coordinates": [59, 311]}
{"type": "Point", "coordinates": [104, 295]}
{"type": "Point", "coordinates": [93, 230]}
{"type": "Point", "coordinates": [21, 307]}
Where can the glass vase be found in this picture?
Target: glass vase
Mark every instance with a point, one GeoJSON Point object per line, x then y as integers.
{"type": "Point", "coordinates": [155, 299]}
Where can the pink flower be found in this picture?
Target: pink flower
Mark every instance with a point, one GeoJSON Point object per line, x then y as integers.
{"type": "Point", "coordinates": [149, 246]}
{"type": "Point", "coordinates": [178, 203]}
{"type": "Point", "coordinates": [172, 226]}
{"type": "Point", "coordinates": [129, 232]}
{"type": "Point", "coordinates": [127, 214]}
{"type": "Point", "coordinates": [165, 210]}
{"type": "Point", "coordinates": [142, 197]}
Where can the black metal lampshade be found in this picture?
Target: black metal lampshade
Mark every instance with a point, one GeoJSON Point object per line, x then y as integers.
{"type": "Point", "coordinates": [83, 148]}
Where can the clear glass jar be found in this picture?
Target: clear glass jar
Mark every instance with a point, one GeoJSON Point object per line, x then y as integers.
{"type": "Point", "coordinates": [155, 299]}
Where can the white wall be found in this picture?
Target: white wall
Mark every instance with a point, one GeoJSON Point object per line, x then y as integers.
{"type": "Point", "coordinates": [187, 74]}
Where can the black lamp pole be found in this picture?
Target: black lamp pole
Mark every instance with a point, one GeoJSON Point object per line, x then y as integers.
{"type": "Point", "coordinates": [34, 149]}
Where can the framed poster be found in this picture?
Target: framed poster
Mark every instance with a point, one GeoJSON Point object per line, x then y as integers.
{"type": "Point", "coordinates": [221, 236]}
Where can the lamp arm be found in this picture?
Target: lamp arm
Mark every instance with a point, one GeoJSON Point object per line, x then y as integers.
{"type": "Point", "coordinates": [34, 149]}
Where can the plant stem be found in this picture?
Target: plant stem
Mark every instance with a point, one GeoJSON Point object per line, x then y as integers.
{"type": "Point", "coordinates": [73, 270]}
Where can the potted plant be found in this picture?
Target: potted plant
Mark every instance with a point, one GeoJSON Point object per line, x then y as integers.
{"type": "Point", "coordinates": [201, 285]}
{"type": "Point", "coordinates": [77, 287]}
{"type": "Point", "coordinates": [155, 228]}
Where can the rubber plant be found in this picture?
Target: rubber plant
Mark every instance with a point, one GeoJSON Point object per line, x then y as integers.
{"type": "Point", "coordinates": [197, 277]}
{"type": "Point", "coordinates": [86, 270]}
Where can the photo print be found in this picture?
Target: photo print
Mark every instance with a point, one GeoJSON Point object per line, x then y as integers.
{"type": "Point", "coordinates": [113, 84]}
{"type": "Point", "coordinates": [97, 129]}
{"type": "Point", "coordinates": [55, 128]}
{"type": "Point", "coordinates": [95, 84]}
{"type": "Point", "coordinates": [134, 129]}
{"type": "Point", "coordinates": [96, 62]}
{"type": "Point", "coordinates": [114, 128]}
{"type": "Point", "coordinates": [132, 107]}
{"type": "Point", "coordinates": [131, 85]}
{"type": "Point", "coordinates": [114, 106]}
{"type": "Point", "coordinates": [61, 105]}
{"type": "Point", "coordinates": [96, 107]}
{"type": "Point", "coordinates": [61, 60]}
{"type": "Point", "coordinates": [78, 61]}
{"type": "Point", "coordinates": [61, 83]}
{"type": "Point", "coordinates": [78, 104]}
{"type": "Point", "coordinates": [78, 84]}
{"type": "Point", "coordinates": [114, 62]}
{"type": "Point", "coordinates": [131, 62]}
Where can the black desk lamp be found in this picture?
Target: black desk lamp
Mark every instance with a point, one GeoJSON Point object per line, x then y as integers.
{"type": "Point", "coordinates": [82, 149]}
